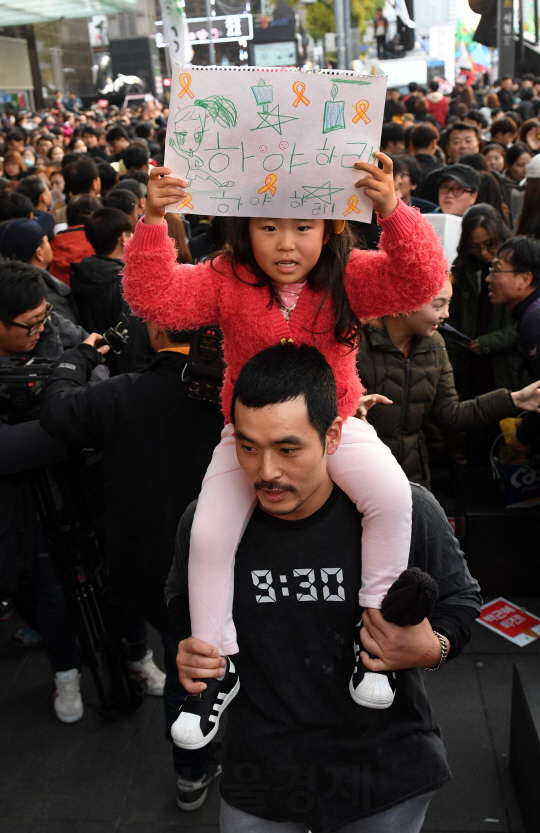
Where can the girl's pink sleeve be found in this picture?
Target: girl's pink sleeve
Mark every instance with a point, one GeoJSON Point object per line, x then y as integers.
{"type": "Point", "coordinates": [405, 272]}
{"type": "Point", "coordinates": [157, 288]}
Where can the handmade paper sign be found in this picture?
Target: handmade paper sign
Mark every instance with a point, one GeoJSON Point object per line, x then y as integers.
{"type": "Point", "coordinates": [510, 621]}
{"type": "Point", "coordinates": [258, 142]}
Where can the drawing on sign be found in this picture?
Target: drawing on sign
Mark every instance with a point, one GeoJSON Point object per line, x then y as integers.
{"type": "Point", "coordinates": [189, 130]}
{"type": "Point", "coordinates": [264, 95]}
{"type": "Point", "coordinates": [299, 88]}
{"type": "Point", "coordinates": [334, 113]}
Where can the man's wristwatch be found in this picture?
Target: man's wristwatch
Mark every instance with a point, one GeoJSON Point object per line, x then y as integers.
{"type": "Point", "coordinates": [444, 652]}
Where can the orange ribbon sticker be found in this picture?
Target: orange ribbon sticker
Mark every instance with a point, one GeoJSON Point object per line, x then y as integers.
{"type": "Point", "coordinates": [352, 202]}
{"type": "Point", "coordinates": [186, 203]}
{"type": "Point", "coordinates": [298, 88]}
{"type": "Point", "coordinates": [269, 184]}
{"type": "Point", "coordinates": [185, 81]}
{"type": "Point", "coordinates": [361, 108]}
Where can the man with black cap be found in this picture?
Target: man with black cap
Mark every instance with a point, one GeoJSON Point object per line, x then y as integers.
{"type": "Point", "coordinates": [24, 240]}
{"type": "Point", "coordinates": [458, 190]}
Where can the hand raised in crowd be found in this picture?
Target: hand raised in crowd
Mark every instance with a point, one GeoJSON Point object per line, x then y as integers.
{"type": "Point", "coordinates": [368, 401]}
{"type": "Point", "coordinates": [197, 659]}
{"type": "Point", "coordinates": [394, 647]}
{"type": "Point", "coordinates": [95, 338]}
{"type": "Point", "coordinates": [527, 399]}
{"type": "Point", "coordinates": [163, 190]}
{"type": "Point", "coordinates": [378, 184]}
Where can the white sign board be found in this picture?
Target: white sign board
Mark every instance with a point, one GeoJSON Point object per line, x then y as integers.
{"type": "Point", "coordinates": [442, 45]}
{"type": "Point", "coordinates": [448, 228]}
{"type": "Point", "coordinates": [273, 143]}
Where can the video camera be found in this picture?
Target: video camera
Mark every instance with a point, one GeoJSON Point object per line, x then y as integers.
{"type": "Point", "coordinates": [203, 371]}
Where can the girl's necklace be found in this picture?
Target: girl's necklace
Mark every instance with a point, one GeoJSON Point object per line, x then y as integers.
{"type": "Point", "coordinates": [292, 293]}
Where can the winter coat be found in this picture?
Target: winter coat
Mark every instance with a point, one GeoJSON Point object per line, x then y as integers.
{"type": "Point", "coordinates": [499, 342]}
{"type": "Point", "coordinates": [438, 107]}
{"type": "Point", "coordinates": [69, 246]}
{"type": "Point", "coordinates": [420, 386]}
{"type": "Point", "coordinates": [156, 442]}
{"type": "Point", "coordinates": [60, 296]}
{"type": "Point", "coordinates": [406, 272]}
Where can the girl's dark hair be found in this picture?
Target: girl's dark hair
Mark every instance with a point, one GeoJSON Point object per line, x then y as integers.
{"type": "Point", "coordinates": [530, 124]}
{"type": "Point", "coordinates": [529, 221]}
{"type": "Point", "coordinates": [490, 192]}
{"type": "Point", "coordinates": [327, 275]}
{"type": "Point", "coordinates": [514, 152]}
{"type": "Point", "coordinates": [482, 216]}
{"type": "Point", "coordinates": [495, 146]}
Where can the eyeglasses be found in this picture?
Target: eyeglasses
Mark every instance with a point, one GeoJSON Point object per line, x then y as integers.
{"type": "Point", "coordinates": [32, 329]}
{"type": "Point", "coordinates": [455, 190]}
{"type": "Point", "coordinates": [482, 247]}
{"type": "Point", "coordinates": [501, 271]}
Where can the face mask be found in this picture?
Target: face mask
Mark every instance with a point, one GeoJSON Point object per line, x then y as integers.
{"type": "Point", "coordinates": [29, 163]}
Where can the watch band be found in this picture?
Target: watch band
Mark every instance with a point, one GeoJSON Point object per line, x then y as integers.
{"type": "Point", "coordinates": [444, 652]}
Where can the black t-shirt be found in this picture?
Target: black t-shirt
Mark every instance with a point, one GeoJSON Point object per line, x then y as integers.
{"type": "Point", "coordinates": [296, 741]}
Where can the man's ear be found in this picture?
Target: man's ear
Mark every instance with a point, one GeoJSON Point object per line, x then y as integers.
{"type": "Point", "coordinates": [526, 279]}
{"type": "Point", "coordinates": [333, 435]}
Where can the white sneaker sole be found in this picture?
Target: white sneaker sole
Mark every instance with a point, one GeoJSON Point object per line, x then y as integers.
{"type": "Point", "coordinates": [199, 744]}
{"type": "Point", "coordinates": [368, 704]}
{"type": "Point", "coordinates": [72, 719]}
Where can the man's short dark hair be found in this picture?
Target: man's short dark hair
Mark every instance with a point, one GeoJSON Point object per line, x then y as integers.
{"type": "Point", "coordinates": [476, 115]}
{"type": "Point", "coordinates": [461, 125]}
{"type": "Point", "coordinates": [107, 175]}
{"type": "Point", "coordinates": [433, 86]}
{"type": "Point", "coordinates": [32, 187]}
{"type": "Point", "coordinates": [121, 198]}
{"type": "Point", "coordinates": [80, 207]}
{"type": "Point", "coordinates": [502, 126]}
{"type": "Point", "coordinates": [80, 176]}
{"type": "Point", "coordinates": [284, 372]}
{"type": "Point", "coordinates": [15, 136]}
{"type": "Point", "coordinates": [423, 135]}
{"type": "Point", "coordinates": [138, 176]}
{"type": "Point", "coordinates": [413, 86]}
{"type": "Point", "coordinates": [14, 205]}
{"type": "Point", "coordinates": [523, 253]}
{"type": "Point", "coordinates": [21, 289]}
{"type": "Point", "coordinates": [70, 157]}
{"type": "Point", "coordinates": [135, 156]}
{"type": "Point", "coordinates": [391, 132]}
{"type": "Point", "coordinates": [116, 133]}
{"type": "Point", "coordinates": [87, 129]}
{"type": "Point", "coordinates": [143, 130]}
{"type": "Point", "coordinates": [104, 228]}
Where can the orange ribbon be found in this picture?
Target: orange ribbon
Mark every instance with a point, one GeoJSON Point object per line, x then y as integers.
{"type": "Point", "coordinates": [361, 108]}
{"type": "Point", "coordinates": [185, 81]}
{"type": "Point", "coordinates": [186, 202]}
{"type": "Point", "coordinates": [352, 202]}
{"type": "Point", "coordinates": [269, 184]}
{"type": "Point", "coordinates": [298, 88]}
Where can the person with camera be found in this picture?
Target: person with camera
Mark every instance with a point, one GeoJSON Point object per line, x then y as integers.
{"type": "Point", "coordinates": [156, 443]}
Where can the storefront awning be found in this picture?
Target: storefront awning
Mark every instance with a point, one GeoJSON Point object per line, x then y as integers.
{"type": "Point", "coordinates": [19, 12]}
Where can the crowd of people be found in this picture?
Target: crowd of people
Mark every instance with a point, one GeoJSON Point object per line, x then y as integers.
{"type": "Point", "coordinates": [89, 256]}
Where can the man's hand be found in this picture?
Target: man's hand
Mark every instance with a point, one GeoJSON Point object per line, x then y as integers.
{"type": "Point", "coordinates": [378, 185]}
{"type": "Point", "coordinates": [475, 348]}
{"type": "Point", "coordinates": [527, 399]}
{"type": "Point", "coordinates": [163, 190]}
{"type": "Point", "coordinates": [414, 646]}
{"type": "Point", "coordinates": [95, 338]}
{"type": "Point", "coordinates": [368, 401]}
{"type": "Point", "coordinates": [196, 659]}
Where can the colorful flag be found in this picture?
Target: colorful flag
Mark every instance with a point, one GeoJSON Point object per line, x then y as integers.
{"type": "Point", "coordinates": [175, 31]}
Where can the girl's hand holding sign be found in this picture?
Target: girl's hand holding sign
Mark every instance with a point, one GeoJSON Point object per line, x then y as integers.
{"type": "Point", "coordinates": [162, 191]}
{"type": "Point", "coordinates": [378, 185]}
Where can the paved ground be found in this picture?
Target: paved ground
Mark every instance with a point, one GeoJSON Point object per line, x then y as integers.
{"type": "Point", "coordinates": [96, 777]}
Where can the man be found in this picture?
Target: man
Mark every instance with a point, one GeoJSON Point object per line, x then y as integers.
{"type": "Point", "coordinates": [515, 280]}
{"type": "Point", "coordinates": [90, 137]}
{"type": "Point", "coordinates": [24, 240]}
{"type": "Point", "coordinates": [461, 138]}
{"type": "Point", "coordinates": [505, 93]}
{"type": "Point", "coordinates": [503, 131]}
{"type": "Point", "coordinates": [393, 95]}
{"type": "Point", "coordinates": [15, 140]}
{"type": "Point", "coordinates": [118, 140]}
{"type": "Point", "coordinates": [380, 28]}
{"type": "Point", "coordinates": [458, 190]}
{"type": "Point", "coordinates": [37, 190]}
{"type": "Point", "coordinates": [82, 177]}
{"type": "Point", "coordinates": [126, 201]}
{"type": "Point", "coordinates": [150, 431]}
{"type": "Point", "coordinates": [437, 104]}
{"type": "Point", "coordinates": [135, 158]}
{"type": "Point", "coordinates": [44, 144]}
{"type": "Point", "coordinates": [71, 245]}
{"type": "Point", "coordinates": [423, 144]}
{"type": "Point", "coordinates": [297, 748]}
{"type": "Point", "coordinates": [392, 139]}
{"type": "Point", "coordinates": [410, 100]}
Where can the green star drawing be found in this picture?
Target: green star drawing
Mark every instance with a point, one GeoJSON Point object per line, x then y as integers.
{"type": "Point", "coordinates": [273, 119]}
{"type": "Point", "coordinates": [325, 192]}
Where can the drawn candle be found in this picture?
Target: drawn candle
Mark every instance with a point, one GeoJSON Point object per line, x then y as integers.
{"type": "Point", "coordinates": [334, 113]}
{"type": "Point", "coordinates": [264, 94]}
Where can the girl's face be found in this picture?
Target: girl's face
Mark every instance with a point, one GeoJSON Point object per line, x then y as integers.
{"type": "Point", "coordinates": [495, 160]}
{"type": "Point", "coordinates": [482, 246]}
{"type": "Point", "coordinates": [28, 156]}
{"type": "Point", "coordinates": [79, 146]}
{"type": "Point", "coordinates": [11, 168]}
{"type": "Point", "coordinates": [517, 169]}
{"type": "Point", "coordinates": [57, 154]}
{"type": "Point", "coordinates": [57, 182]}
{"type": "Point", "coordinates": [533, 138]}
{"type": "Point", "coordinates": [428, 319]}
{"type": "Point", "coordinates": [286, 250]}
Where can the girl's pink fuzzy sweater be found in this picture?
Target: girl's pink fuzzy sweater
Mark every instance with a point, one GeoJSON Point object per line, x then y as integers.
{"type": "Point", "coordinates": [407, 270]}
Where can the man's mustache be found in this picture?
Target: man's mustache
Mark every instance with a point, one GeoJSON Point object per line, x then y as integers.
{"type": "Point", "coordinates": [273, 486]}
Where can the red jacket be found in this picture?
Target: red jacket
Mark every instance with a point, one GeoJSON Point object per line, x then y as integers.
{"type": "Point", "coordinates": [438, 107]}
{"type": "Point", "coordinates": [69, 246]}
{"type": "Point", "coordinates": [407, 271]}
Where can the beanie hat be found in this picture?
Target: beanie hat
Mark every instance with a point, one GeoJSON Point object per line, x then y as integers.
{"type": "Point", "coordinates": [20, 239]}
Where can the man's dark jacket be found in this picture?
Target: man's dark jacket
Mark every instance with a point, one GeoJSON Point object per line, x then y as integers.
{"type": "Point", "coordinates": [528, 341]}
{"type": "Point", "coordinates": [156, 444]}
